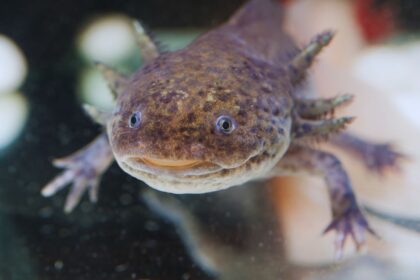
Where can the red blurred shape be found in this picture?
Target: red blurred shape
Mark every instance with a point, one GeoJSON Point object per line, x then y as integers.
{"type": "Point", "coordinates": [376, 23]}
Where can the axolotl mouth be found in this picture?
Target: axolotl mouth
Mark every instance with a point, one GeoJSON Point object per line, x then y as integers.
{"type": "Point", "coordinates": [190, 176]}
{"type": "Point", "coordinates": [175, 168]}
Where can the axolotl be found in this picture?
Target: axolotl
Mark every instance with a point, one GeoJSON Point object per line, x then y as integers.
{"type": "Point", "coordinates": [231, 107]}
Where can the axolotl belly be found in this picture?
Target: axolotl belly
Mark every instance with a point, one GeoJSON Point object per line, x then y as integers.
{"type": "Point", "coordinates": [229, 108]}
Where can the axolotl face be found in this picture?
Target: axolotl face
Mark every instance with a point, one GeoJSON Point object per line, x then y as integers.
{"type": "Point", "coordinates": [183, 127]}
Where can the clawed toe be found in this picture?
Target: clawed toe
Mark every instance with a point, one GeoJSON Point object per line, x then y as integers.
{"type": "Point", "coordinates": [352, 224]}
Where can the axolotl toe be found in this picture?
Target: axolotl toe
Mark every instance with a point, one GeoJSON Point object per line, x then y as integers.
{"type": "Point", "coordinates": [229, 108]}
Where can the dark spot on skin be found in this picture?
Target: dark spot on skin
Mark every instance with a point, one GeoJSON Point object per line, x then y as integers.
{"type": "Point", "coordinates": [188, 131]}
{"type": "Point", "coordinates": [192, 101]}
{"type": "Point", "coordinates": [255, 76]}
{"type": "Point", "coordinates": [276, 111]}
{"type": "Point", "coordinates": [208, 106]}
{"type": "Point", "coordinates": [243, 93]}
{"type": "Point", "coordinates": [213, 70]}
{"type": "Point", "coordinates": [254, 129]}
{"type": "Point", "coordinates": [242, 113]}
{"type": "Point", "coordinates": [269, 129]}
{"type": "Point", "coordinates": [248, 103]}
{"type": "Point", "coordinates": [191, 117]}
{"type": "Point", "coordinates": [305, 128]}
{"type": "Point", "coordinates": [224, 171]}
{"type": "Point", "coordinates": [165, 153]}
{"type": "Point", "coordinates": [274, 139]}
{"type": "Point", "coordinates": [236, 70]}
{"type": "Point", "coordinates": [272, 75]}
{"type": "Point", "coordinates": [246, 64]}
{"type": "Point", "coordinates": [280, 131]}
{"type": "Point", "coordinates": [173, 108]}
{"type": "Point", "coordinates": [168, 97]}
{"type": "Point", "coordinates": [201, 93]}
{"type": "Point", "coordinates": [158, 124]}
{"type": "Point", "coordinates": [223, 96]}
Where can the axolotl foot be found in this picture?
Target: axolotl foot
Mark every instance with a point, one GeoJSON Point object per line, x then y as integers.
{"type": "Point", "coordinates": [84, 169]}
{"type": "Point", "coordinates": [351, 223]}
{"type": "Point", "coordinates": [348, 220]}
{"type": "Point", "coordinates": [377, 157]}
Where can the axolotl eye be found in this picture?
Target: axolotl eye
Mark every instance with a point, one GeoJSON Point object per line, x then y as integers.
{"type": "Point", "coordinates": [135, 119]}
{"type": "Point", "coordinates": [225, 124]}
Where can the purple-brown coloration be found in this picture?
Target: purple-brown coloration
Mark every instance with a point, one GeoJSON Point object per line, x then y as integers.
{"type": "Point", "coordinates": [165, 128]}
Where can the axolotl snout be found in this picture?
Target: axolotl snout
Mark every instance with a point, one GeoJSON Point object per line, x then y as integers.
{"type": "Point", "coordinates": [229, 108]}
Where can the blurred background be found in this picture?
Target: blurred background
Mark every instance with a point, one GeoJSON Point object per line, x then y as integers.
{"type": "Point", "coordinates": [271, 230]}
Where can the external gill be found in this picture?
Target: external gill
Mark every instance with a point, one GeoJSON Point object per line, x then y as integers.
{"type": "Point", "coordinates": [318, 108]}
{"type": "Point", "coordinates": [310, 123]}
{"type": "Point", "coordinates": [317, 130]}
{"type": "Point", "coordinates": [304, 59]}
{"type": "Point", "coordinates": [98, 116]}
{"type": "Point", "coordinates": [116, 81]}
{"type": "Point", "coordinates": [149, 50]}
{"type": "Point", "coordinates": [149, 47]}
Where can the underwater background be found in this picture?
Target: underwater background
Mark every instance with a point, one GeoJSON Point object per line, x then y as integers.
{"type": "Point", "coordinates": [121, 237]}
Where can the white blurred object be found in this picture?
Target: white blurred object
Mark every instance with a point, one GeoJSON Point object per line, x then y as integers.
{"type": "Point", "coordinates": [13, 67]}
{"type": "Point", "coordinates": [13, 115]}
{"type": "Point", "coordinates": [107, 39]}
{"type": "Point", "coordinates": [394, 70]}
{"type": "Point", "coordinates": [94, 90]}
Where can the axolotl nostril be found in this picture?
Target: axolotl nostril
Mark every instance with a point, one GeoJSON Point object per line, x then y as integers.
{"type": "Point", "coordinates": [229, 108]}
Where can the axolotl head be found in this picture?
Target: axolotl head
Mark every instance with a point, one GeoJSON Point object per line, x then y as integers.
{"type": "Point", "coordinates": [184, 125]}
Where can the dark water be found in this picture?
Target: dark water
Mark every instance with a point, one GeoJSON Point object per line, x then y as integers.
{"type": "Point", "coordinates": [119, 238]}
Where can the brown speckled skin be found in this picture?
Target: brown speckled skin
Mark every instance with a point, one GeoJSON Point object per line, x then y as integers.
{"type": "Point", "coordinates": [233, 70]}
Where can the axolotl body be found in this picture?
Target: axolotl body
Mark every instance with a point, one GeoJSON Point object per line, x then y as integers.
{"type": "Point", "coordinates": [229, 108]}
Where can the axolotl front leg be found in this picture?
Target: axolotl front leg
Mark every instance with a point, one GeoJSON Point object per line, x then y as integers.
{"type": "Point", "coordinates": [84, 168]}
{"type": "Point", "coordinates": [347, 218]}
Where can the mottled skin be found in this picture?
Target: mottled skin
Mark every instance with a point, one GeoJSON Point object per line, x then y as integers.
{"type": "Point", "coordinates": [165, 128]}
{"type": "Point", "coordinates": [180, 96]}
